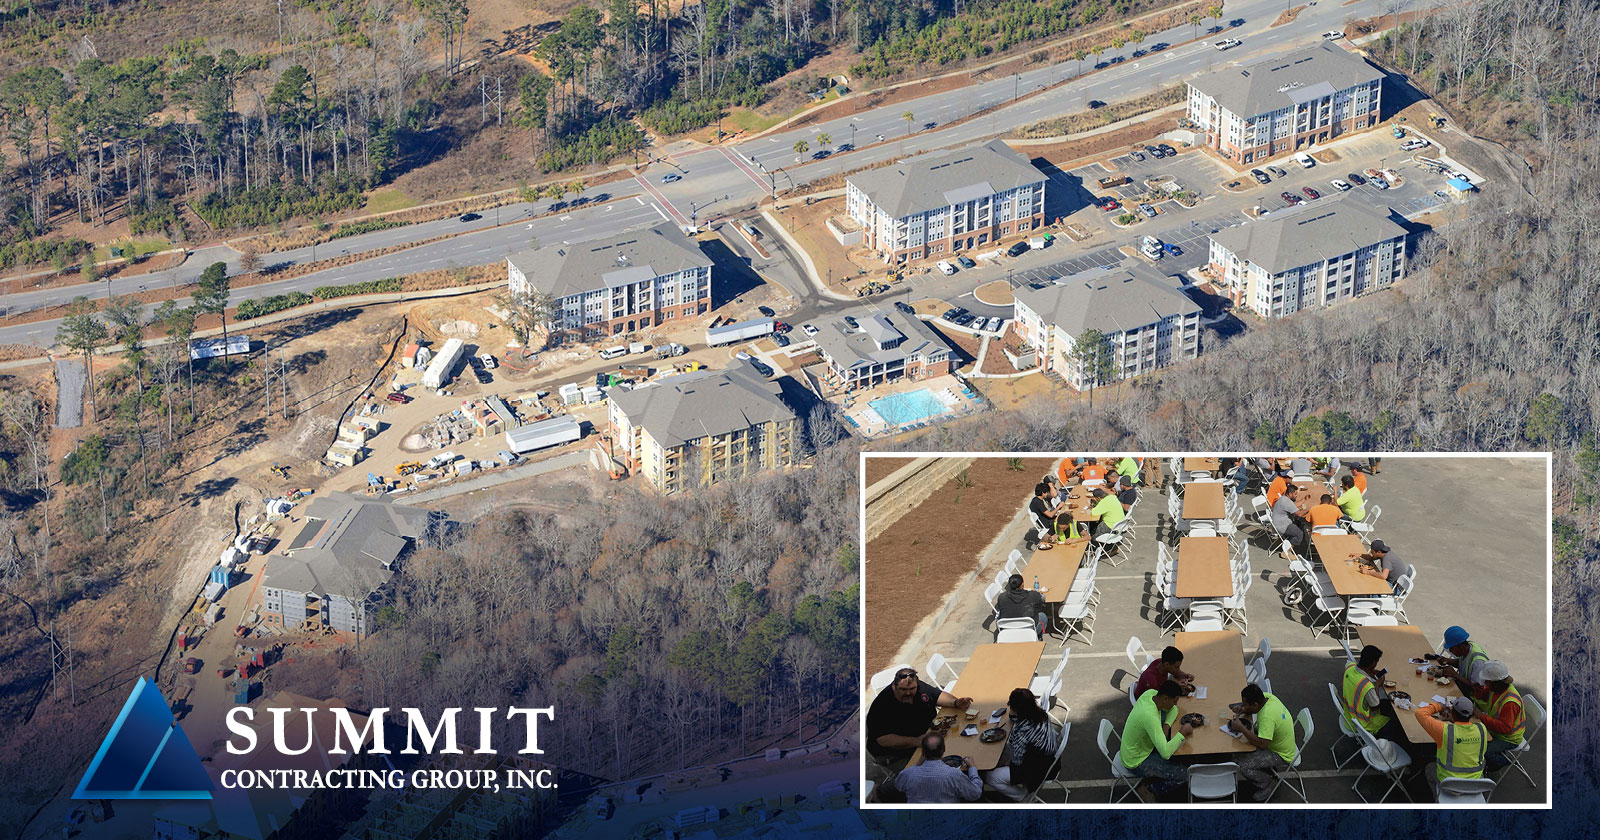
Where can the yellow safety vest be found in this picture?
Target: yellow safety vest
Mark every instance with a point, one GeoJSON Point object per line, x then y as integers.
{"type": "Point", "coordinates": [1475, 655]}
{"type": "Point", "coordinates": [1356, 684]}
{"type": "Point", "coordinates": [1463, 750]}
{"type": "Point", "coordinates": [1498, 702]}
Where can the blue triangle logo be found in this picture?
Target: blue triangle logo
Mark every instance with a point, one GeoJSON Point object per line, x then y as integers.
{"type": "Point", "coordinates": [145, 755]}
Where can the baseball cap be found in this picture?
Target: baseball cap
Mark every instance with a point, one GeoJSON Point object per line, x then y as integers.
{"type": "Point", "coordinates": [1454, 635]}
{"type": "Point", "coordinates": [1380, 545]}
{"type": "Point", "coordinates": [1494, 669]}
{"type": "Point", "coordinates": [1461, 706]}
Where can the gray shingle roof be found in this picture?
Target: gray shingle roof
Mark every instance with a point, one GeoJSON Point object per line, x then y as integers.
{"type": "Point", "coordinates": [906, 335]}
{"type": "Point", "coordinates": [351, 546]}
{"type": "Point", "coordinates": [681, 408]}
{"type": "Point", "coordinates": [1309, 234]}
{"type": "Point", "coordinates": [562, 270]}
{"type": "Point", "coordinates": [1119, 299]}
{"type": "Point", "coordinates": [1282, 81]}
{"type": "Point", "coordinates": [929, 182]}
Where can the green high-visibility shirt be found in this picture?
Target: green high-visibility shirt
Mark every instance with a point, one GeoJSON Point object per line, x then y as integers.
{"type": "Point", "coordinates": [1143, 734]}
{"type": "Point", "coordinates": [1128, 467]}
{"type": "Point", "coordinates": [1353, 505]}
{"type": "Point", "coordinates": [1275, 726]}
{"type": "Point", "coordinates": [1109, 510]}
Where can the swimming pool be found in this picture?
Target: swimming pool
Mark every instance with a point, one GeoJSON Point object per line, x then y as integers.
{"type": "Point", "coordinates": [909, 407]}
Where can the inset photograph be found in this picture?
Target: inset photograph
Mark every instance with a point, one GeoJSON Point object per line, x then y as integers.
{"type": "Point", "coordinates": [1120, 630]}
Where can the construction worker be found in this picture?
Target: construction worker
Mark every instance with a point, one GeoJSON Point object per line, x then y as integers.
{"type": "Point", "coordinates": [1506, 719]}
{"type": "Point", "coordinates": [1365, 700]}
{"type": "Point", "coordinates": [1462, 664]}
{"type": "Point", "coordinates": [1462, 744]}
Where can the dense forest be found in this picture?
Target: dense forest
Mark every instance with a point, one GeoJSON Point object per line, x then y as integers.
{"type": "Point", "coordinates": [346, 96]}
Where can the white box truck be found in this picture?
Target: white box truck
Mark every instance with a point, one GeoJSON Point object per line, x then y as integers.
{"type": "Point", "coordinates": [740, 331]}
{"type": "Point", "coordinates": [443, 367]}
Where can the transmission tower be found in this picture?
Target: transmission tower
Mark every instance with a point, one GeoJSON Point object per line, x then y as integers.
{"type": "Point", "coordinates": [61, 671]}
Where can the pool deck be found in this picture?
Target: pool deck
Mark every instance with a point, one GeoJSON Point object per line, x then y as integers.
{"type": "Point", "coordinates": [868, 423]}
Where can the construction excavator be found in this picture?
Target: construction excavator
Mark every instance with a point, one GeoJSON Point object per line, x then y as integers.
{"type": "Point", "coordinates": [280, 471]}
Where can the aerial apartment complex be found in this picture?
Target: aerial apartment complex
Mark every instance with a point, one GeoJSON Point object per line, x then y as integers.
{"type": "Point", "coordinates": [1280, 105]}
{"type": "Point", "coordinates": [940, 203]}
{"type": "Point", "coordinates": [632, 281]}
{"type": "Point", "coordinates": [1313, 255]}
{"type": "Point", "coordinates": [1147, 321]}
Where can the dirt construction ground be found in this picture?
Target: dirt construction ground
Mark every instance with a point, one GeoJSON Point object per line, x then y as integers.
{"type": "Point", "coordinates": [913, 566]}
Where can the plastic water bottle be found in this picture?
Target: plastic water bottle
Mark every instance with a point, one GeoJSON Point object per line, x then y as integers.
{"type": "Point", "coordinates": [1036, 583]}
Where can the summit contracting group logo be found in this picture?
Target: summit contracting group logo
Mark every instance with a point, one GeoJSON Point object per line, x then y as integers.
{"type": "Point", "coordinates": [145, 755]}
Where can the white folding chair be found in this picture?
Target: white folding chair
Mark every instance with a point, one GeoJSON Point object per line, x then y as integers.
{"type": "Point", "coordinates": [1053, 774]}
{"type": "Point", "coordinates": [1307, 727]}
{"type": "Point", "coordinates": [1330, 606]}
{"type": "Point", "coordinates": [1133, 697]}
{"type": "Point", "coordinates": [1255, 672]}
{"type": "Point", "coordinates": [1262, 654]}
{"type": "Point", "coordinates": [1367, 617]}
{"type": "Point", "coordinates": [1076, 618]}
{"type": "Point", "coordinates": [1202, 528]}
{"type": "Point", "coordinates": [935, 663]}
{"type": "Point", "coordinates": [1111, 542]}
{"type": "Point", "coordinates": [1534, 717]}
{"type": "Point", "coordinates": [1205, 616]}
{"type": "Point", "coordinates": [1329, 530]}
{"type": "Point", "coordinates": [1171, 610]}
{"type": "Point", "coordinates": [1045, 687]}
{"type": "Point", "coordinates": [1014, 563]}
{"type": "Point", "coordinates": [1388, 759]}
{"type": "Point", "coordinates": [1001, 575]}
{"type": "Point", "coordinates": [1120, 775]}
{"type": "Point", "coordinates": [1138, 656]}
{"type": "Point", "coordinates": [1465, 791]}
{"type": "Point", "coordinates": [990, 595]}
{"type": "Point", "coordinates": [1347, 729]}
{"type": "Point", "coordinates": [1364, 528]}
{"type": "Point", "coordinates": [1214, 781]}
{"type": "Point", "coordinates": [1016, 630]}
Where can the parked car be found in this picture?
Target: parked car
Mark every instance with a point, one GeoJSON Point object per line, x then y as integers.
{"type": "Point", "coordinates": [781, 340]}
{"type": "Point", "coordinates": [1227, 44]}
{"type": "Point", "coordinates": [671, 177]}
{"type": "Point", "coordinates": [1413, 144]}
{"type": "Point", "coordinates": [397, 397]}
{"type": "Point", "coordinates": [766, 311]}
{"type": "Point", "coordinates": [1311, 193]}
{"type": "Point", "coordinates": [965, 262]}
{"type": "Point", "coordinates": [1289, 197]}
{"type": "Point", "coordinates": [484, 377]}
{"type": "Point", "coordinates": [1159, 46]}
{"type": "Point", "coordinates": [1380, 183]}
{"type": "Point", "coordinates": [1261, 177]}
{"type": "Point", "coordinates": [1355, 178]}
{"type": "Point", "coordinates": [966, 319]}
{"type": "Point", "coordinates": [1172, 249]}
{"type": "Point", "coordinates": [810, 329]}
{"type": "Point", "coordinates": [489, 361]}
{"type": "Point", "coordinates": [904, 307]}
{"type": "Point", "coordinates": [1277, 172]}
{"type": "Point", "coordinates": [761, 367]}
{"type": "Point", "coordinates": [1110, 204]}
{"type": "Point", "coordinates": [1095, 103]}
{"type": "Point", "coordinates": [1156, 152]}
{"type": "Point", "coordinates": [946, 268]}
{"type": "Point", "coordinates": [1167, 150]}
{"type": "Point", "coordinates": [1340, 184]}
{"type": "Point", "coordinates": [954, 315]}
{"type": "Point", "coordinates": [993, 325]}
{"type": "Point", "coordinates": [1332, 35]}
{"type": "Point", "coordinates": [1136, 155]}
{"type": "Point", "coordinates": [850, 321]}
{"type": "Point", "coordinates": [1018, 249]}
{"type": "Point", "coordinates": [1304, 160]}
{"type": "Point", "coordinates": [1148, 211]}
{"type": "Point", "coordinates": [508, 457]}
{"type": "Point", "coordinates": [470, 217]}
{"type": "Point", "coordinates": [781, 328]}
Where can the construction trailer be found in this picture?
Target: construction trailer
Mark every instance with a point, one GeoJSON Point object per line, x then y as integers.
{"type": "Point", "coordinates": [545, 433]}
{"type": "Point", "coordinates": [571, 393]}
{"type": "Point", "coordinates": [345, 455]}
{"type": "Point", "coordinates": [210, 348]}
{"type": "Point", "coordinates": [443, 367]}
{"type": "Point", "coordinates": [740, 331]}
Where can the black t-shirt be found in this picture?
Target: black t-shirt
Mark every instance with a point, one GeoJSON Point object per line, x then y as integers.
{"type": "Point", "coordinates": [1020, 603]}
{"type": "Point", "coordinates": [1128, 496]}
{"type": "Point", "coordinates": [1042, 508]}
{"type": "Point", "coordinates": [889, 716]}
